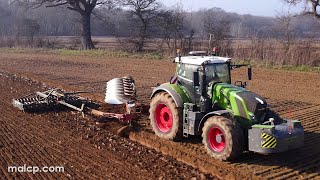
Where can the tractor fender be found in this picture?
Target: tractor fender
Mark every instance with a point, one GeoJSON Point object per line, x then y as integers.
{"type": "Point", "coordinates": [225, 113]}
{"type": "Point", "coordinates": [175, 92]}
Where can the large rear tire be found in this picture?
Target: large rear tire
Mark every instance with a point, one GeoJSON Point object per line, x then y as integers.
{"type": "Point", "coordinates": [165, 117]}
{"type": "Point", "coordinates": [222, 138]}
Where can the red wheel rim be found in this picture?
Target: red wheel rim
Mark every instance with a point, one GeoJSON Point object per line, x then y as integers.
{"type": "Point", "coordinates": [163, 118]}
{"type": "Point", "coordinates": [217, 139]}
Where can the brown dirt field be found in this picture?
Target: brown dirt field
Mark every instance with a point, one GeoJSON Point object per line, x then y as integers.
{"type": "Point", "coordinates": [293, 94]}
{"type": "Point", "coordinates": [85, 149]}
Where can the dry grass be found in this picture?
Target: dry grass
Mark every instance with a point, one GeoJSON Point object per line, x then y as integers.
{"type": "Point", "coordinates": [299, 53]}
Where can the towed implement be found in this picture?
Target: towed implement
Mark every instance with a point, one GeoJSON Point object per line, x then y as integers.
{"type": "Point", "coordinates": [119, 91]}
{"type": "Point", "coordinates": [200, 100]}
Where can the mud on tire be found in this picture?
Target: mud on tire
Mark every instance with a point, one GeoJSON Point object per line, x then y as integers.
{"type": "Point", "coordinates": [163, 110]}
{"type": "Point", "coordinates": [229, 145]}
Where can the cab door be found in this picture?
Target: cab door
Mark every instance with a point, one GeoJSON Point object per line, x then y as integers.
{"type": "Point", "coordinates": [185, 79]}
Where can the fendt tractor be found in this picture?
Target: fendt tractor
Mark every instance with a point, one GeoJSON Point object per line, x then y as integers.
{"type": "Point", "coordinates": [200, 100]}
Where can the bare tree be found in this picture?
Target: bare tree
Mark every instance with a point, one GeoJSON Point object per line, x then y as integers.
{"type": "Point", "coordinates": [27, 28]}
{"type": "Point", "coordinates": [145, 11]}
{"type": "Point", "coordinates": [260, 41]}
{"type": "Point", "coordinates": [284, 31]}
{"type": "Point", "coordinates": [217, 23]}
{"type": "Point", "coordinates": [171, 26]}
{"type": "Point", "coordinates": [175, 30]}
{"type": "Point", "coordinates": [83, 7]}
{"type": "Point", "coordinates": [315, 5]}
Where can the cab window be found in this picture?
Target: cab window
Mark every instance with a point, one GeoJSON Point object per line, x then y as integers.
{"type": "Point", "coordinates": [217, 73]}
{"type": "Point", "coordinates": [186, 71]}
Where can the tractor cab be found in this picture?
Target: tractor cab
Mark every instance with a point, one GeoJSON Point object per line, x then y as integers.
{"type": "Point", "coordinates": [198, 73]}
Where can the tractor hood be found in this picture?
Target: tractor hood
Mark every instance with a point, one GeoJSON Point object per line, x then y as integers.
{"type": "Point", "coordinates": [241, 102]}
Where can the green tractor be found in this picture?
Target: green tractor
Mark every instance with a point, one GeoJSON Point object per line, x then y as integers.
{"type": "Point", "coordinates": [200, 100]}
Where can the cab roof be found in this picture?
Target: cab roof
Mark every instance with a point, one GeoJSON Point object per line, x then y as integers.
{"type": "Point", "coordinates": [199, 60]}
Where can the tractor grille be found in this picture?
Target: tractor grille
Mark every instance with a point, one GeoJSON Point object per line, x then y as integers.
{"type": "Point", "coordinates": [254, 103]}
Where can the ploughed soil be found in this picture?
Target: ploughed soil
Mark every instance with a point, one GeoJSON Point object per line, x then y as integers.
{"type": "Point", "coordinates": [84, 148]}
{"type": "Point", "coordinates": [89, 149]}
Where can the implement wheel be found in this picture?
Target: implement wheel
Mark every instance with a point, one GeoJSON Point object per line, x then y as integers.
{"type": "Point", "coordinates": [165, 117]}
{"type": "Point", "coordinates": [222, 139]}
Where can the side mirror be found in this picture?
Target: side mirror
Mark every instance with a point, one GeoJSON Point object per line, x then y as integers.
{"type": "Point", "coordinates": [196, 80]}
{"type": "Point", "coordinates": [250, 72]}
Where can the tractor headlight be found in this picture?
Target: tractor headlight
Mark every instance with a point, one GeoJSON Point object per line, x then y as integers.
{"type": "Point", "coordinates": [252, 117]}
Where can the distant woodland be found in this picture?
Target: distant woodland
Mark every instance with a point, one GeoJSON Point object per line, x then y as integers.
{"type": "Point", "coordinates": [59, 22]}
{"type": "Point", "coordinates": [136, 22]}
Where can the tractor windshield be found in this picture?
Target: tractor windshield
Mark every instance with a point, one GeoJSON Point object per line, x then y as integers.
{"type": "Point", "coordinates": [217, 73]}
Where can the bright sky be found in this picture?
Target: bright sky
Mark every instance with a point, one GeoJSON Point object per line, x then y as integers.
{"type": "Point", "coordinates": [254, 7]}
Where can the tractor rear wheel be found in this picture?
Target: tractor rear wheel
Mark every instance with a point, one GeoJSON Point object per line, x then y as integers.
{"type": "Point", "coordinates": [222, 138]}
{"type": "Point", "coordinates": [165, 117]}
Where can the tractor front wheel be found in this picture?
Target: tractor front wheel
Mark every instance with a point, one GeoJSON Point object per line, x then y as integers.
{"type": "Point", "coordinates": [222, 138]}
{"type": "Point", "coordinates": [165, 117]}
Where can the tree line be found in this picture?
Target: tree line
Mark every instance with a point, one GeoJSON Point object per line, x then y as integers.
{"type": "Point", "coordinates": [135, 21]}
